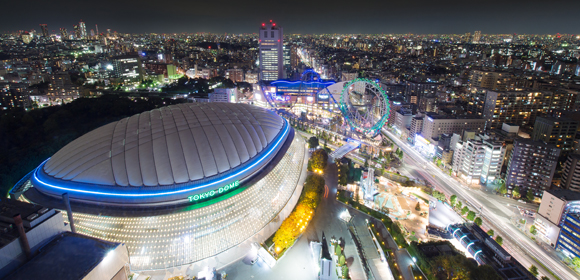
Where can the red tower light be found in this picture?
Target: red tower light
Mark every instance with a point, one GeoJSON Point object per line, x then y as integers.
{"type": "Point", "coordinates": [263, 24]}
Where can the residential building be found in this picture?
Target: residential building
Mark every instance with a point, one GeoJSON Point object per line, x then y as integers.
{"type": "Point", "coordinates": [61, 89]}
{"type": "Point", "coordinates": [571, 173]}
{"type": "Point", "coordinates": [476, 37]}
{"type": "Point", "coordinates": [436, 125]}
{"type": "Point", "coordinates": [236, 75]}
{"type": "Point", "coordinates": [63, 34]}
{"type": "Point", "coordinates": [415, 91]}
{"type": "Point", "coordinates": [251, 78]}
{"type": "Point", "coordinates": [271, 52]}
{"type": "Point", "coordinates": [519, 107]}
{"type": "Point", "coordinates": [531, 166]}
{"type": "Point", "coordinates": [493, 80]}
{"type": "Point", "coordinates": [560, 132]}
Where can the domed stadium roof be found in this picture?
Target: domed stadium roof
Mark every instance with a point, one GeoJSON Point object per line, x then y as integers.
{"type": "Point", "coordinates": [168, 149]}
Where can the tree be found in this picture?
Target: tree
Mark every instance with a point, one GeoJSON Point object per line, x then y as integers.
{"type": "Point", "coordinates": [484, 272]}
{"type": "Point", "coordinates": [341, 260]}
{"type": "Point", "coordinates": [576, 262]}
{"type": "Point", "coordinates": [313, 142]}
{"type": "Point", "coordinates": [470, 216]}
{"type": "Point", "coordinates": [530, 195]}
{"type": "Point", "coordinates": [418, 206]}
{"type": "Point", "coordinates": [464, 210]}
{"type": "Point", "coordinates": [459, 204]}
{"type": "Point", "coordinates": [366, 163]}
{"type": "Point", "coordinates": [453, 200]}
{"type": "Point", "coordinates": [319, 160]}
{"type": "Point", "coordinates": [499, 240]}
{"type": "Point", "coordinates": [544, 278]}
{"type": "Point", "coordinates": [490, 232]}
{"type": "Point", "coordinates": [478, 221]}
{"type": "Point", "coordinates": [380, 153]}
{"type": "Point", "coordinates": [343, 174]}
{"type": "Point", "coordinates": [338, 250]}
{"type": "Point", "coordinates": [439, 195]}
{"type": "Point", "coordinates": [533, 230]}
{"type": "Point", "coordinates": [502, 189]}
{"type": "Point", "coordinates": [516, 192]}
{"type": "Point", "coordinates": [534, 270]}
{"type": "Point", "coordinates": [450, 171]}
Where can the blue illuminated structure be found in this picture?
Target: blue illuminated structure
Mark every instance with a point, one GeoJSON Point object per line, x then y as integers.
{"type": "Point", "coordinates": [140, 196]}
{"type": "Point", "coordinates": [309, 84]}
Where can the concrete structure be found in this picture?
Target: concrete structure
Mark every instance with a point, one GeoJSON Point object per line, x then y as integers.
{"type": "Point", "coordinates": [127, 68]}
{"type": "Point", "coordinates": [236, 75]}
{"type": "Point", "coordinates": [493, 80]}
{"type": "Point", "coordinates": [39, 225]}
{"type": "Point", "coordinates": [556, 204]}
{"type": "Point", "coordinates": [179, 184]}
{"type": "Point", "coordinates": [76, 256]}
{"type": "Point", "coordinates": [61, 89]}
{"type": "Point", "coordinates": [519, 107]}
{"type": "Point", "coordinates": [435, 125]}
{"type": "Point", "coordinates": [479, 160]}
{"type": "Point", "coordinates": [560, 132]}
{"type": "Point", "coordinates": [531, 166]}
{"type": "Point", "coordinates": [571, 173]}
{"type": "Point", "coordinates": [228, 95]}
{"type": "Point", "coordinates": [271, 52]}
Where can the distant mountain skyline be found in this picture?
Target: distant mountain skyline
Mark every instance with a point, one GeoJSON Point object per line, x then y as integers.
{"type": "Point", "coordinates": [304, 17]}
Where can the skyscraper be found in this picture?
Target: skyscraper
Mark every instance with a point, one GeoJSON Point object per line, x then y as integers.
{"type": "Point", "coordinates": [77, 31]}
{"type": "Point", "coordinates": [476, 37]}
{"type": "Point", "coordinates": [271, 52]}
{"type": "Point", "coordinates": [44, 29]}
{"type": "Point", "coordinates": [83, 29]}
{"type": "Point", "coordinates": [63, 33]}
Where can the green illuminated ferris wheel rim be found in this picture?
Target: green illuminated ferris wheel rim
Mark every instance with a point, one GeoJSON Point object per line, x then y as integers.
{"type": "Point", "coordinates": [380, 93]}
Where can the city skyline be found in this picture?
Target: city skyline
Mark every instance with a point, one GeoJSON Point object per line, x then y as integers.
{"type": "Point", "coordinates": [371, 17]}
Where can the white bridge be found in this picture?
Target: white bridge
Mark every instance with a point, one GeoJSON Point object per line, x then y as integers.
{"type": "Point", "coordinates": [344, 149]}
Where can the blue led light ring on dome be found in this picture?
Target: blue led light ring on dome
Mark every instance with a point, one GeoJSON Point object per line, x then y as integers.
{"type": "Point", "coordinates": [40, 178]}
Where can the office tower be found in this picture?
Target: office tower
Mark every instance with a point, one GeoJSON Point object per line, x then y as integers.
{"type": "Point", "coordinates": [77, 31]}
{"type": "Point", "coordinates": [560, 132]}
{"type": "Point", "coordinates": [494, 80]}
{"type": "Point", "coordinates": [63, 33]}
{"type": "Point", "coordinates": [44, 29]}
{"type": "Point", "coordinates": [92, 33]}
{"type": "Point", "coordinates": [531, 166]}
{"type": "Point", "coordinates": [571, 173]}
{"type": "Point", "coordinates": [520, 107]}
{"type": "Point", "coordinates": [553, 220]}
{"type": "Point", "coordinates": [83, 29]}
{"type": "Point", "coordinates": [271, 52]}
{"type": "Point", "coordinates": [476, 37]}
{"type": "Point", "coordinates": [97, 29]}
{"type": "Point", "coordinates": [479, 160]}
{"type": "Point", "coordinates": [108, 32]}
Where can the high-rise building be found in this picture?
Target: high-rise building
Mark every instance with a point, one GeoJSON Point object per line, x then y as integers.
{"type": "Point", "coordinates": [494, 80]}
{"type": "Point", "coordinates": [556, 131]}
{"type": "Point", "coordinates": [77, 31]}
{"type": "Point", "coordinates": [44, 29]}
{"type": "Point", "coordinates": [520, 107]}
{"type": "Point", "coordinates": [63, 34]}
{"type": "Point", "coordinates": [83, 29]}
{"type": "Point", "coordinates": [26, 37]}
{"type": "Point", "coordinates": [571, 173]}
{"type": "Point", "coordinates": [436, 125]}
{"type": "Point", "coordinates": [479, 160]}
{"type": "Point", "coordinates": [531, 166]}
{"type": "Point", "coordinates": [271, 52]}
{"type": "Point", "coordinates": [476, 37]}
{"type": "Point", "coordinates": [92, 33]}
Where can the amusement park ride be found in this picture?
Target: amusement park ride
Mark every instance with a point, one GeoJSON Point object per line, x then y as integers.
{"type": "Point", "coordinates": [363, 104]}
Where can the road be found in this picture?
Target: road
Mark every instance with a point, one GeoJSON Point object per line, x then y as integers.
{"type": "Point", "coordinates": [492, 208]}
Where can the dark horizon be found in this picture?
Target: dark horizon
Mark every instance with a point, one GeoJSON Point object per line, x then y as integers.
{"type": "Point", "coordinates": [299, 17]}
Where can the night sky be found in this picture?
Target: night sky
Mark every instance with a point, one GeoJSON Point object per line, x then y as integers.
{"type": "Point", "coordinates": [298, 16]}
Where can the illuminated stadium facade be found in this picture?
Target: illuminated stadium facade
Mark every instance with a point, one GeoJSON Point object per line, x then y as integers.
{"type": "Point", "coordinates": [179, 184]}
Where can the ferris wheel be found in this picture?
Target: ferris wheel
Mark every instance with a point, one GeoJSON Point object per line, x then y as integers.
{"type": "Point", "coordinates": [365, 106]}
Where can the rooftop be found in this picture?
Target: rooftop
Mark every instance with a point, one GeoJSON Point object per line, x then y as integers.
{"type": "Point", "coordinates": [69, 256]}
{"type": "Point", "coordinates": [567, 195]}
